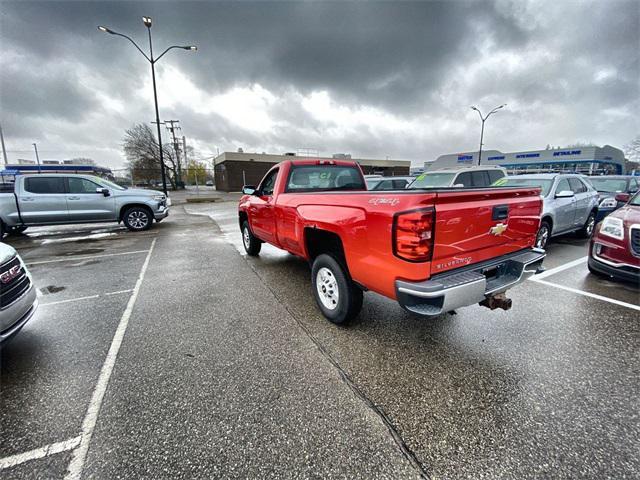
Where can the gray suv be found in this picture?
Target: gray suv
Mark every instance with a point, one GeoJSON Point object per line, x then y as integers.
{"type": "Point", "coordinates": [18, 301]}
{"type": "Point", "coordinates": [570, 203]}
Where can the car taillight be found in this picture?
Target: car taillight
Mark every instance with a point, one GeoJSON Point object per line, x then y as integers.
{"type": "Point", "coordinates": [413, 235]}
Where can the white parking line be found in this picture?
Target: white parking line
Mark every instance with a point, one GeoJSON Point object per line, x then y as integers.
{"type": "Point", "coordinates": [89, 423]}
{"type": "Point", "coordinates": [41, 452]}
{"type": "Point", "coordinates": [72, 258]}
{"type": "Point", "coordinates": [86, 298]}
{"type": "Point", "coordinates": [566, 266]}
{"type": "Point", "coordinates": [587, 294]}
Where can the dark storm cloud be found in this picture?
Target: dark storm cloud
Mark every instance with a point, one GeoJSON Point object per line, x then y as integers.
{"type": "Point", "coordinates": [419, 61]}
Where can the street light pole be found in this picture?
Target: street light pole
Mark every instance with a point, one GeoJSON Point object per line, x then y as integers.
{"type": "Point", "coordinates": [35, 147]}
{"type": "Point", "coordinates": [155, 100]}
{"type": "Point", "coordinates": [484, 119]}
{"type": "Point", "coordinates": [147, 23]}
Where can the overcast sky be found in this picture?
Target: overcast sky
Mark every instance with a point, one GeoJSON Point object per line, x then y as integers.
{"type": "Point", "coordinates": [373, 79]}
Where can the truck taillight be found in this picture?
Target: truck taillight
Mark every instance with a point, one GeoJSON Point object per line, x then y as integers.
{"type": "Point", "coordinates": [413, 235]}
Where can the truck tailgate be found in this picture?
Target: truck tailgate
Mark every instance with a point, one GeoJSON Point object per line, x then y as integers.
{"type": "Point", "coordinates": [476, 225]}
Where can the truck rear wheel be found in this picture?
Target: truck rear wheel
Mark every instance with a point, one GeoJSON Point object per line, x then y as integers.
{"type": "Point", "coordinates": [137, 219]}
{"type": "Point", "coordinates": [252, 244]}
{"type": "Point", "coordinates": [338, 298]}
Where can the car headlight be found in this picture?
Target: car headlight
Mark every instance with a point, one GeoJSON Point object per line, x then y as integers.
{"type": "Point", "coordinates": [608, 202]}
{"type": "Point", "coordinates": [158, 198]}
{"type": "Point", "coordinates": [612, 227]}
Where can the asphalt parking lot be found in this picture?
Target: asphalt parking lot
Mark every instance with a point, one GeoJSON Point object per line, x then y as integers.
{"type": "Point", "coordinates": [170, 354]}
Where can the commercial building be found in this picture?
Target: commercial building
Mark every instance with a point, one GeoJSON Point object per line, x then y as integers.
{"type": "Point", "coordinates": [585, 160]}
{"type": "Point", "coordinates": [234, 169]}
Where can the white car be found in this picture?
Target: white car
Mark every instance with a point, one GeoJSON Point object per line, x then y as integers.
{"type": "Point", "coordinates": [18, 301]}
{"type": "Point", "coordinates": [463, 177]}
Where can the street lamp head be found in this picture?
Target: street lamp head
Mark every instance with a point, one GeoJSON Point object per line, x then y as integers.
{"type": "Point", "coordinates": [190, 47]}
{"type": "Point", "coordinates": [146, 21]}
{"type": "Point", "coordinates": [105, 30]}
{"type": "Point", "coordinates": [473, 108]}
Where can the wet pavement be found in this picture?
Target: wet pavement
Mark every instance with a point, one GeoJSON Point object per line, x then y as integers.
{"type": "Point", "coordinates": [228, 370]}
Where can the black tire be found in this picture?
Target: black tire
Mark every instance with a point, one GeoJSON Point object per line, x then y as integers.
{"type": "Point", "coordinates": [2, 230]}
{"type": "Point", "coordinates": [348, 303]}
{"type": "Point", "coordinates": [543, 235]}
{"type": "Point", "coordinates": [137, 219]}
{"type": "Point", "coordinates": [252, 244]}
{"type": "Point", "coordinates": [587, 229]}
{"type": "Point", "coordinates": [17, 230]}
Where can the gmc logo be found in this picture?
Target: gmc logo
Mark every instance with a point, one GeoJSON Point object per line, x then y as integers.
{"type": "Point", "coordinates": [13, 272]}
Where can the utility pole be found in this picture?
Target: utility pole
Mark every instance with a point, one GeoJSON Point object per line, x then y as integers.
{"type": "Point", "coordinates": [184, 153]}
{"type": "Point", "coordinates": [35, 147]}
{"type": "Point", "coordinates": [4, 149]}
{"type": "Point", "coordinates": [171, 126]}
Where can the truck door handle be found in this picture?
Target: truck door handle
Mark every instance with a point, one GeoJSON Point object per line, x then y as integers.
{"type": "Point", "coordinates": [73, 198]}
{"type": "Point", "coordinates": [500, 212]}
{"type": "Point", "coordinates": [27, 199]}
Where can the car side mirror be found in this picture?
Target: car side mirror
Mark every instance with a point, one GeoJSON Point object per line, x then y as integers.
{"type": "Point", "coordinates": [103, 191]}
{"type": "Point", "coordinates": [565, 194]}
{"type": "Point", "coordinates": [622, 197]}
{"type": "Point", "coordinates": [249, 189]}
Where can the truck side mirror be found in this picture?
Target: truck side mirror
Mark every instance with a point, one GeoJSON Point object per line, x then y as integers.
{"type": "Point", "coordinates": [249, 189]}
{"type": "Point", "coordinates": [103, 191]}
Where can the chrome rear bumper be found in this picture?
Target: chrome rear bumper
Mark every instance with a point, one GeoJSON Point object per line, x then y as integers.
{"type": "Point", "coordinates": [468, 285]}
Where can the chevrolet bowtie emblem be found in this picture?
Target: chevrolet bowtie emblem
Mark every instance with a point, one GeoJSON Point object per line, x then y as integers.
{"type": "Point", "coordinates": [498, 229]}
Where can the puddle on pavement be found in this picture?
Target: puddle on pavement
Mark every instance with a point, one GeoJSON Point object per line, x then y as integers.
{"type": "Point", "coordinates": [51, 289]}
{"type": "Point", "coordinates": [86, 251]}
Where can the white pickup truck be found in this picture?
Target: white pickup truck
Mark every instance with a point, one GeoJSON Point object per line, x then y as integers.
{"type": "Point", "coordinates": [58, 199]}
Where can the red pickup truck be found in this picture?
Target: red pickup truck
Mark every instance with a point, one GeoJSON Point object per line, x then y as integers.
{"type": "Point", "coordinates": [432, 250]}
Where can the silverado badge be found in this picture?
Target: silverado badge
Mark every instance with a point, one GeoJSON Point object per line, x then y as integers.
{"type": "Point", "coordinates": [498, 229]}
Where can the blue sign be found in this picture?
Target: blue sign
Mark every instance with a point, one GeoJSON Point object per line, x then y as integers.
{"type": "Point", "coordinates": [464, 158]}
{"type": "Point", "coordinates": [567, 152]}
{"type": "Point", "coordinates": [9, 172]}
{"type": "Point", "coordinates": [498, 157]}
{"type": "Point", "coordinates": [528, 155]}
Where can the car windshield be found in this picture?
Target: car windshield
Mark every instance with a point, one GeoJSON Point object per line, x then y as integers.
{"type": "Point", "coordinates": [544, 184]}
{"type": "Point", "coordinates": [107, 183]}
{"type": "Point", "coordinates": [372, 182]}
{"type": "Point", "coordinates": [432, 180]}
{"type": "Point", "coordinates": [610, 185]}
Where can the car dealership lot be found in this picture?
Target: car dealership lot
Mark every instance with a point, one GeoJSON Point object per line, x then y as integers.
{"type": "Point", "coordinates": [227, 368]}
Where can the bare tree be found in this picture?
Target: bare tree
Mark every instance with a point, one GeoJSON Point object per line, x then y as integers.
{"type": "Point", "coordinates": [143, 156]}
{"type": "Point", "coordinates": [632, 150]}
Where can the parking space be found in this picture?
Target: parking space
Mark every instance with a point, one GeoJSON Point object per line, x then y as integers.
{"type": "Point", "coordinates": [179, 362]}
{"type": "Point", "coordinates": [84, 276]}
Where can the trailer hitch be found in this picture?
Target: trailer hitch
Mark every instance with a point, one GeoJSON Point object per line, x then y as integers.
{"type": "Point", "coordinates": [499, 300]}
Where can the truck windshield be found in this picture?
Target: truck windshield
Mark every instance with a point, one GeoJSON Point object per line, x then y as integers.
{"type": "Point", "coordinates": [432, 180]}
{"type": "Point", "coordinates": [310, 178]}
{"type": "Point", "coordinates": [609, 185]}
{"type": "Point", "coordinates": [544, 184]}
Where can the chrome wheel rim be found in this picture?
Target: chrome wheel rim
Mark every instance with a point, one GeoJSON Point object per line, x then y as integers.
{"type": "Point", "coordinates": [543, 236]}
{"type": "Point", "coordinates": [138, 219]}
{"type": "Point", "coordinates": [590, 224]}
{"type": "Point", "coordinates": [245, 238]}
{"type": "Point", "coordinates": [327, 287]}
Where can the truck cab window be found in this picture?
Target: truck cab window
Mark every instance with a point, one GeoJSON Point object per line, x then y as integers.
{"type": "Point", "coordinates": [44, 185]}
{"type": "Point", "coordinates": [82, 185]}
{"type": "Point", "coordinates": [309, 178]}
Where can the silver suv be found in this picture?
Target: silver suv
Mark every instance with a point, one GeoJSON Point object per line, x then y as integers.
{"type": "Point", "coordinates": [18, 301]}
{"type": "Point", "coordinates": [570, 203]}
{"type": "Point", "coordinates": [463, 177]}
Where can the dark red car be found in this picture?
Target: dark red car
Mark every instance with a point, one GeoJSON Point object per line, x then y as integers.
{"type": "Point", "coordinates": [615, 244]}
